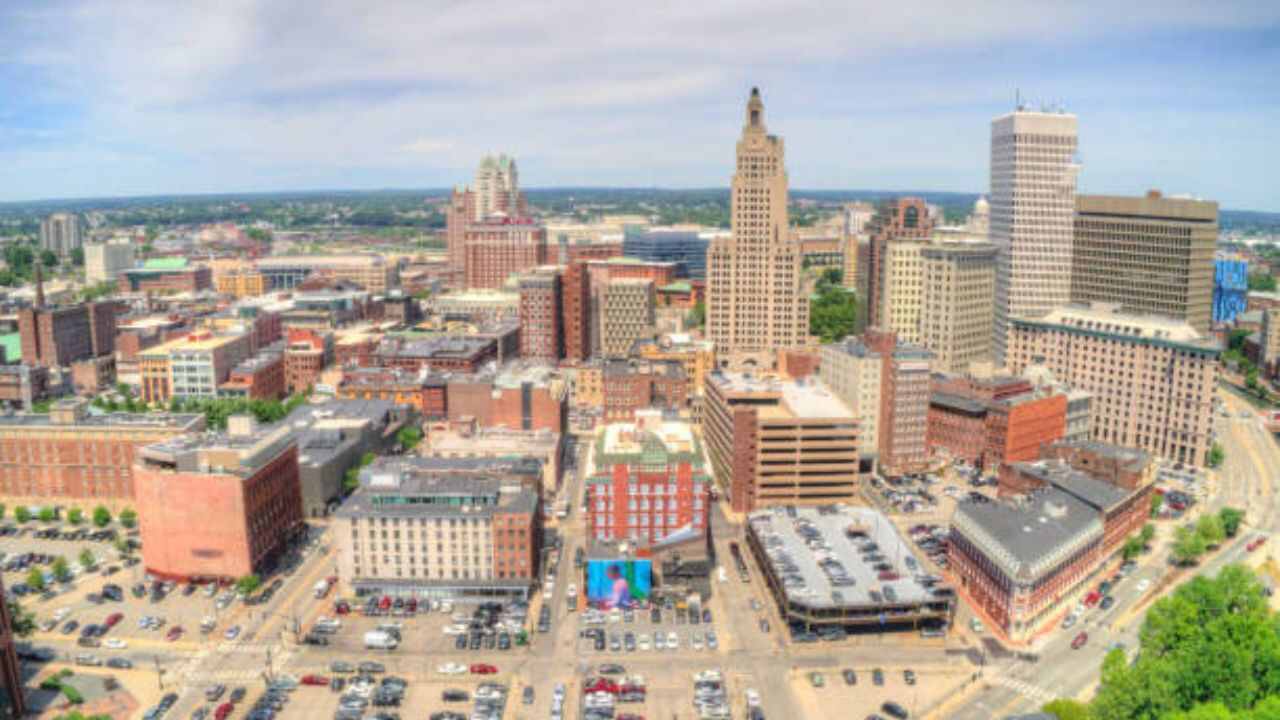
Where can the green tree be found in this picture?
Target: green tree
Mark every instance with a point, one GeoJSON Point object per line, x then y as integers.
{"type": "Point", "coordinates": [833, 310]}
{"type": "Point", "coordinates": [1216, 455]}
{"type": "Point", "coordinates": [1188, 546]}
{"type": "Point", "coordinates": [1063, 709]}
{"type": "Point", "coordinates": [1262, 281]}
{"type": "Point", "coordinates": [1157, 501]}
{"type": "Point", "coordinates": [409, 437]}
{"type": "Point", "coordinates": [8, 278]}
{"type": "Point", "coordinates": [21, 514]}
{"type": "Point", "coordinates": [101, 516]}
{"type": "Point", "coordinates": [2, 508]}
{"type": "Point", "coordinates": [248, 584]}
{"type": "Point", "coordinates": [1147, 534]}
{"type": "Point", "coordinates": [124, 547]}
{"type": "Point", "coordinates": [367, 459]}
{"type": "Point", "coordinates": [1132, 548]}
{"type": "Point", "coordinates": [48, 258]}
{"type": "Point", "coordinates": [35, 579]}
{"type": "Point", "coordinates": [47, 514]}
{"type": "Point", "coordinates": [75, 516]}
{"type": "Point", "coordinates": [77, 256]}
{"type": "Point", "coordinates": [351, 479]}
{"type": "Point", "coordinates": [1231, 519]}
{"type": "Point", "coordinates": [86, 559]}
{"type": "Point", "coordinates": [61, 569]}
{"type": "Point", "coordinates": [22, 622]}
{"type": "Point", "coordinates": [1210, 529]}
{"type": "Point", "coordinates": [698, 315]}
{"type": "Point", "coordinates": [129, 518]}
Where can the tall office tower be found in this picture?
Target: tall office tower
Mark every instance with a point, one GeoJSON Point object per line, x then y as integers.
{"type": "Point", "coordinates": [755, 302]}
{"type": "Point", "coordinates": [1033, 159]}
{"type": "Point", "coordinates": [895, 272]}
{"type": "Point", "coordinates": [541, 335]}
{"type": "Point", "coordinates": [496, 194]}
{"type": "Point", "coordinates": [61, 233]}
{"type": "Point", "coordinates": [1150, 254]}
{"type": "Point", "coordinates": [956, 316]}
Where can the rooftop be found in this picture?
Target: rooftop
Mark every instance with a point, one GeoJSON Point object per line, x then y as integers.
{"type": "Point", "coordinates": [1134, 458]}
{"type": "Point", "coordinates": [805, 398]}
{"type": "Point", "coordinates": [398, 488]}
{"type": "Point", "coordinates": [242, 450]}
{"type": "Point", "coordinates": [168, 263]}
{"type": "Point", "coordinates": [1029, 536]}
{"type": "Point", "coordinates": [1110, 320]}
{"type": "Point", "coordinates": [809, 548]}
{"type": "Point", "coordinates": [1084, 487]}
{"type": "Point", "coordinates": [321, 261]}
{"type": "Point", "coordinates": [193, 342]}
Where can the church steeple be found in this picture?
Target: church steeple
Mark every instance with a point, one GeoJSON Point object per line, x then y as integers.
{"type": "Point", "coordinates": [755, 110]}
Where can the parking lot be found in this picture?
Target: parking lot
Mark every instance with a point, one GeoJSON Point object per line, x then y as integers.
{"type": "Point", "coordinates": [837, 699]}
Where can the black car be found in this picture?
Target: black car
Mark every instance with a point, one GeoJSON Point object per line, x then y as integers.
{"type": "Point", "coordinates": [70, 627]}
{"type": "Point", "coordinates": [460, 643]}
{"type": "Point", "coordinates": [454, 695]}
{"type": "Point", "coordinates": [877, 677]}
{"type": "Point", "coordinates": [655, 615]}
{"type": "Point", "coordinates": [370, 667]}
{"type": "Point", "coordinates": [850, 677]}
{"type": "Point", "coordinates": [894, 709]}
{"type": "Point", "coordinates": [909, 677]}
{"type": "Point", "coordinates": [237, 695]}
{"type": "Point", "coordinates": [475, 642]}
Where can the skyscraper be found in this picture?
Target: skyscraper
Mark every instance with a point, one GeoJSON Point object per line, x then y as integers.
{"type": "Point", "coordinates": [494, 196]}
{"type": "Point", "coordinates": [754, 299]}
{"type": "Point", "coordinates": [1033, 199]}
{"type": "Point", "coordinates": [61, 233]}
{"type": "Point", "coordinates": [895, 272]}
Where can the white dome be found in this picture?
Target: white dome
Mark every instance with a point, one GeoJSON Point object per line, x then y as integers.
{"type": "Point", "coordinates": [981, 206]}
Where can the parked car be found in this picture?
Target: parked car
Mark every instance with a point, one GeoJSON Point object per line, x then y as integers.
{"type": "Point", "coordinates": [1080, 641]}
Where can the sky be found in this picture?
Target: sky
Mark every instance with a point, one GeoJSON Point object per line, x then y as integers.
{"type": "Point", "coordinates": [128, 97]}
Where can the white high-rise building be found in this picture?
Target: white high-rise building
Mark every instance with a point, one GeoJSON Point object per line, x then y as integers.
{"type": "Point", "coordinates": [103, 262]}
{"type": "Point", "coordinates": [1033, 197]}
{"type": "Point", "coordinates": [497, 187]}
{"type": "Point", "coordinates": [61, 233]}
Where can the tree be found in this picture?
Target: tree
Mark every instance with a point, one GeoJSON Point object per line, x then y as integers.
{"type": "Point", "coordinates": [8, 278]}
{"type": "Point", "coordinates": [47, 514]}
{"type": "Point", "coordinates": [248, 584]}
{"type": "Point", "coordinates": [21, 514]}
{"type": "Point", "coordinates": [367, 459]}
{"type": "Point", "coordinates": [75, 516]}
{"type": "Point", "coordinates": [1210, 529]}
{"type": "Point", "coordinates": [409, 437]}
{"type": "Point", "coordinates": [2, 511]}
{"type": "Point", "coordinates": [1216, 455]}
{"type": "Point", "coordinates": [124, 547]}
{"type": "Point", "coordinates": [86, 559]}
{"type": "Point", "coordinates": [101, 516]}
{"type": "Point", "coordinates": [129, 518]}
{"type": "Point", "coordinates": [1147, 534]}
{"type": "Point", "coordinates": [61, 569]}
{"type": "Point", "coordinates": [698, 315]}
{"type": "Point", "coordinates": [351, 479]}
{"type": "Point", "coordinates": [1262, 281]}
{"type": "Point", "coordinates": [1063, 709]}
{"type": "Point", "coordinates": [48, 258]}
{"type": "Point", "coordinates": [833, 310]}
{"type": "Point", "coordinates": [1188, 545]}
{"type": "Point", "coordinates": [35, 579]}
{"type": "Point", "coordinates": [1231, 519]}
{"type": "Point", "coordinates": [22, 622]}
{"type": "Point", "coordinates": [1157, 500]}
{"type": "Point", "coordinates": [77, 256]}
{"type": "Point", "coordinates": [1132, 547]}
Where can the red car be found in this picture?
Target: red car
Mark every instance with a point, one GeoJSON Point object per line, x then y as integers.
{"type": "Point", "coordinates": [1080, 640]}
{"type": "Point", "coordinates": [384, 603]}
{"type": "Point", "coordinates": [888, 575]}
{"type": "Point", "coordinates": [1092, 598]}
{"type": "Point", "coordinates": [1256, 543]}
{"type": "Point", "coordinates": [601, 685]}
{"type": "Point", "coordinates": [483, 669]}
{"type": "Point", "coordinates": [341, 608]}
{"type": "Point", "coordinates": [315, 680]}
{"type": "Point", "coordinates": [113, 619]}
{"type": "Point", "coordinates": [223, 711]}
{"type": "Point", "coordinates": [174, 633]}
{"type": "Point", "coordinates": [411, 605]}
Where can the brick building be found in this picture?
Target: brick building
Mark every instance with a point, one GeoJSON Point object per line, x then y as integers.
{"type": "Point", "coordinates": [166, 275]}
{"type": "Point", "coordinates": [21, 386]}
{"type": "Point", "coordinates": [71, 457]}
{"type": "Point", "coordinates": [13, 701]}
{"type": "Point", "coordinates": [1128, 468]}
{"type": "Point", "coordinates": [585, 282]}
{"type": "Point", "coordinates": [466, 439]}
{"type": "Point", "coordinates": [466, 354]}
{"type": "Point", "coordinates": [55, 337]}
{"type": "Point", "coordinates": [988, 422]}
{"type": "Point", "coordinates": [629, 386]}
{"type": "Point", "coordinates": [773, 441]}
{"type": "Point", "coordinates": [496, 249]}
{"type": "Point", "coordinates": [218, 506]}
{"type": "Point", "coordinates": [647, 481]}
{"type": "Point", "coordinates": [241, 283]}
{"type": "Point", "coordinates": [541, 336]}
{"type": "Point", "coordinates": [261, 377]}
{"type": "Point", "coordinates": [93, 375]}
{"type": "Point", "coordinates": [425, 393]}
{"type": "Point", "coordinates": [904, 403]}
{"type": "Point", "coordinates": [518, 397]}
{"type": "Point", "coordinates": [307, 353]}
{"type": "Point", "coordinates": [412, 531]}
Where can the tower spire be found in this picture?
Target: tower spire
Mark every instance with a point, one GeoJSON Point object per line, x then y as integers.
{"type": "Point", "coordinates": [755, 110]}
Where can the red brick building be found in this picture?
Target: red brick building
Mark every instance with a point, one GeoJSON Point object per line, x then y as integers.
{"type": "Point", "coordinates": [465, 354]}
{"type": "Point", "coordinates": [70, 457]}
{"type": "Point", "coordinates": [307, 353]}
{"type": "Point", "coordinates": [632, 385]}
{"type": "Point", "coordinates": [261, 377]}
{"type": "Point", "coordinates": [574, 303]}
{"type": "Point", "coordinates": [1124, 467]}
{"type": "Point", "coordinates": [494, 250]}
{"type": "Point", "coordinates": [648, 481]}
{"type": "Point", "coordinates": [221, 506]}
{"type": "Point", "coordinates": [581, 284]}
{"type": "Point", "coordinates": [426, 395]}
{"type": "Point", "coordinates": [541, 315]}
{"type": "Point", "coordinates": [13, 702]}
{"type": "Point", "coordinates": [166, 277]}
{"type": "Point", "coordinates": [905, 218]}
{"type": "Point", "coordinates": [57, 337]}
{"type": "Point", "coordinates": [531, 399]}
{"type": "Point", "coordinates": [989, 422]}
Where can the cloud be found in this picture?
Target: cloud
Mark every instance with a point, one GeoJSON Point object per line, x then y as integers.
{"type": "Point", "coordinates": [230, 94]}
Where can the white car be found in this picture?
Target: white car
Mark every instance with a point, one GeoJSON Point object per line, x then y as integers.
{"type": "Point", "coordinates": [455, 629]}
{"type": "Point", "coordinates": [697, 642]}
{"type": "Point", "coordinates": [573, 590]}
{"type": "Point", "coordinates": [232, 632]}
{"type": "Point", "coordinates": [643, 643]}
{"type": "Point", "coordinates": [673, 641]}
{"type": "Point", "coordinates": [61, 614]}
{"type": "Point", "coordinates": [452, 668]}
{"type": "Point", "coordinates": [115, 644]}
{"type": "Point", "coordinates": [753, 698]}
{"type": "Point", "coordinates": [1143, 584]}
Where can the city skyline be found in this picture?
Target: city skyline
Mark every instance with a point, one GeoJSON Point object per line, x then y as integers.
{"type": "Point", "coordinates": [243, 98]}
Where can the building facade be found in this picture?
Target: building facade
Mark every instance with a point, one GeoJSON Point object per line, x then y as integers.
{"type": "Point", "coordinates": [498, 248]}
{"type": "Point", "coordinates": [13, 701]}
{"type": "Point", "coordinates": [1033, 201]}
{"type": "Point", "coordinates": [1230, 287]}
{"type": "Point", "coordinates": [103, 262]}
{"type": "Point", "coordinates": [686, 248]}
{"type": "Point", "coordinates": [195, 365]}
{"type": "Point", "coordinates": [774, 441]}
{"type": "Point", "coordinates": [957, 319]}
{"type": "Point", "coordinates": [626, 308]}
{"type": "Point", "coordinates": [647, 481]}
{"type": "Point", "coordinates": [1149, 254]}
{"type": "Point", "coordinates": [1152, 378]}
{"type": "Point", "coordinates": [165, 276]}
{"type": "Point", "coordinates": [306, 354]}
{"type": "Point", "coordinates": [241, 283]}
{"type": "Point", "coordinates": [541, 335]}
{"type": "Point", "coordinates": [60, 233]}
{"type": "Point", "coordinates": [374, 273]}
{"type": "Point", "coordinates": [904, 404]}
{"type": "Point", "coordinates": [218, 506]}
{"type": "Point", "coordinates": [755, 302]}
{"type": "Point", "coordinates": [855, 374]}
{"type": "Point", "coordinates": [894, 291]}
{"type": "Point", "coordinates": [60, 336]}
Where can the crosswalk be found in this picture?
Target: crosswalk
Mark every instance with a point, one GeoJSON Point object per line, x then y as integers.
{"type": "Point", "coordinates": [1026, 689]}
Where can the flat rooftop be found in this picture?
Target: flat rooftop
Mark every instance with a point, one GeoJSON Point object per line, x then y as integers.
{"type": "Point", "coordinates": [1028, 536]}
{"type": "Point", "coordinates": [806, 398]}
{"type": "Point", "coordinates": [1109, 319]}
{"type": "Point", "coordinates": [797, 539]}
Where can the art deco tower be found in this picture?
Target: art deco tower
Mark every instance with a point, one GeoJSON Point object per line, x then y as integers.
{"type": "Point", "coordinates": [755, 302]}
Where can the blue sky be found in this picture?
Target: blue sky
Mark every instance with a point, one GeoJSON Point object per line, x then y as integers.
{"type": "Point", "coordinates": [129, 97]}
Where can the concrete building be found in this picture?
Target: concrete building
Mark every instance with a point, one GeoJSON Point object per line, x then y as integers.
{"type": "Point", "coordinates": [894, 291]}
{"type": "Point", "coordinates": [755, 297]}
{"type": "Point", "coordinates": [626, 307]}
{"type": "Point", "coordinates": [13, 701]}
{"type": "Point", "coordinates": [541, 315]}
{"type": "Point", "coordinates": [841, 587]}
{"type": "Point", "coordinates": [22, 385]}
{"type": "Point", "coordinates": [71, 457]}
{"type": "Point", "coordinates": [466, 439]}
{"type": "Point", "coordinates": [103, 262]}
{"type": "Point", "coordinates": [374, 273]}
{"type": "Point", "coordinates": [904, 403]}
{"type": "Point", "coordinates": [496, 249]}
{"type": "Point", "coordinates": [773, 441]}
{"type": "Point", "coordinates": [1230, 287]}
{"type": "Point", "coordinates": [332, 437]}
{"type": "Point", "coordinates": [855, 374]}
{"type": "Point", "coordinates": [686, 248]}
{"type": "Point", "coordinates": [62, 232]}
{"type": "Point", "coordinates": [165, 276]}
{"type": "Point", "coordinates": [1153, 378]}
{"type": "Point", "coordinates": [218, 506]}
{"type": "Point", "coordinates": [1033, 202]}
{"type": "Point", "coordinates": [957, 318]}
{"type": "Point", "coordinates": [60, 336]}
{"type": "Point", "coordinates": [476, 304]}
{"type": "Point", "coordinates": [1021, 561]}
{"type": "Point", "coordinates": [1151, 255]}
{"type": "Point", "coordinates": [647, 481]}
{"type": "Point", "coordinates": [194, 365]}
{"type": "Point", "coordinates": [409, 531]}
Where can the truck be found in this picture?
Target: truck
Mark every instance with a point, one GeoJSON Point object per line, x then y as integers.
{"type": "Point", "coordinates": [380, 640]}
